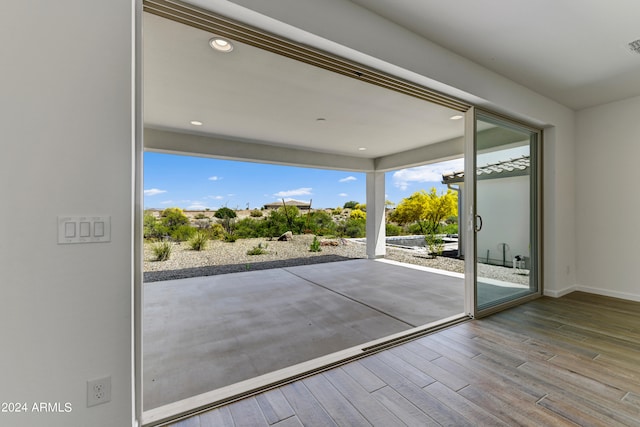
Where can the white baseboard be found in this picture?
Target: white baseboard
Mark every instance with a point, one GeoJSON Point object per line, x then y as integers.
{"type": "Point", "coordinates": [610, 293]}
{"type": "Point", "coordinates": [561, 292]}
{"type": "Point", "coordinates": [596, 291]}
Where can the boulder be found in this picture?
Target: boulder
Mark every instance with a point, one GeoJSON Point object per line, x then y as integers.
{"type": "Point", "coordinates": [288, 236]}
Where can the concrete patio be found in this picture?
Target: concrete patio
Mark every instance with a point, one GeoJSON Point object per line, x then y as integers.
{"type": "Point", "coordinates": [204, 333]}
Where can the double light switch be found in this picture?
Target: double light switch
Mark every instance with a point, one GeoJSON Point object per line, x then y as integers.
{"type": "Point", "coordinates": [84, 229]}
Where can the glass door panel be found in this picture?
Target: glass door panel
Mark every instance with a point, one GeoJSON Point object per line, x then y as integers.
{"type": "Point", "coordinates": [505, 223]}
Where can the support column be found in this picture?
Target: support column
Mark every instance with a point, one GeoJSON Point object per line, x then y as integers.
{"type": "Point", "coordinates": [376, 233]}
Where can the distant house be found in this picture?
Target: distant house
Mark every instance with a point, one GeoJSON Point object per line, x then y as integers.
{"type": "Point", "coordinates": [297, 203]}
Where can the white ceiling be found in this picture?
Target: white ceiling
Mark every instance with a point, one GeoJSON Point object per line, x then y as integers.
{"type": "Point", "coordinates": [572, 51]}
{"type": "Point", "coordinates": [254, 95]}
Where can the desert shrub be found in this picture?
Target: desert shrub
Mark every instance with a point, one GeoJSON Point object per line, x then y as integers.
{"type": "Point", "coordinates": [250, 227]}
{"type": "Point", "coordinates": [315, 245]}
{"type": "Point", "coordinates": [258, 250]}
{"type": "Point", "coordinates": [224, 213]}
{"type": "Point", "coordinates": [182, 233]}
{"type": "Point", "coordinates": [198, 241]}
{"type": "Point", "coordinates": [449, 229]}
{"type": "Point", "coordinates": [337, 211]}
{"type": "Point", "coordinates": [215, 231]}
{"type": "Point", "coordinates": [350, 204]}
{"type": "Point", "coordinates": [434, 243]}
{"type": "Point", "coordinates": [361, 206]}
{"type": "Point", "coordinates": [256, 213]}
{"type": "Point", "coordinates": [230, 238]}
{"type": "Point", "coordinates": [226, 217]}
{"type": "Point", "coordinates": [393, 230]}
{"type": "Point", "coordinates": [319, 222]}
{"type": "Point", "coordinates": [414, 228]}
{"type": "Point", "coordinates": [200, 216]}
{"type": "Point", "coordinates": [358, 214]}
{"type": "Point", "coordinates": [153, 229]}
{"type": "Point", "coordinates": [173, 218]}
{"type": "Point", "coordinates": [162, 250]}
{"type": "Point", "coordinates": [353, 227]}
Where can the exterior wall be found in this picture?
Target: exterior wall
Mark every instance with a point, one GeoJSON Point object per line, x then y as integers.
{"type": "Point", "coordinates": [504, 206]}
{"type": "Point", "coordinates": [607, 173]}
{"type": "Point", "coordinates": [65, 119]}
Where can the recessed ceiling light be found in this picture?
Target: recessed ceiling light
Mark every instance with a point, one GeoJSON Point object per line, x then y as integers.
{"type": "Point", "coordinates": [456, 117]}
{"type": "Point", "coordinates": [362, 148]}
{"type": "Point", "coordinates": [321, 119]}
{"type": "Point", "coordinates": [196, 123]}
{"type": "Point", "coordinates": [220, 44]}
{"type": "Point", "coordinates": [634, 46]}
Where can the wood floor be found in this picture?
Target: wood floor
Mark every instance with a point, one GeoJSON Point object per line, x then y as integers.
{"type": "Point", "coordinates": [552, 362]}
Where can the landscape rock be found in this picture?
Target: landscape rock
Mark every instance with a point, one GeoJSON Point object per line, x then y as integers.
{"type": "Point", "coordinates": [286, 237]}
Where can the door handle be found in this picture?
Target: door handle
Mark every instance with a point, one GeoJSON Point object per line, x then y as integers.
{"type": "Point", "coordinates": [478, 228]}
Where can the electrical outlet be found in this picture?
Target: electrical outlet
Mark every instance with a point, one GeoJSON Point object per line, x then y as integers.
{"type": "Point", "coordinates": [98, 391]}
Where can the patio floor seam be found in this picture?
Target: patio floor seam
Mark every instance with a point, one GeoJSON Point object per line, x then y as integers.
{"type": "Point", "coordinates": [349, 298]}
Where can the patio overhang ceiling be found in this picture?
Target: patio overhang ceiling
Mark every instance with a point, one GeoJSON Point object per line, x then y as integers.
{"type": "Point", "coordinates": [298, 106]}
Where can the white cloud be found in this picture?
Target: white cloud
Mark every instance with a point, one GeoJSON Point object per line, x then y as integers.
{"type": "Point", "coordinates": [153, 192]}
{"type": "Point", "coordinates": [343, 195]}
{"type": "Point", "coordinates": [215, 197]}
{"type": "Point", "coordinates": [306, 191]}
{"type": "Point", "coordinates": [347, 179]}
{"type": "Point", "coordinates": [197, 206]}
{"type": "Point", "coordinates": [215, 178]}
{"type": "Point", "coordinates": [428, 173]}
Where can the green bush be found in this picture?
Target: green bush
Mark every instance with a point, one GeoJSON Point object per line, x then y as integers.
{"type": "Point", "coordinates": [353, 228]}
{"type": "Point", "coordinates": [315, 245]}
{"type": "Point", "coordinates": [214, 232]}
{"type": "Point", "coordinates": [257, 250]}
{"type": "Point", "coordinates": [256, 213]}
{"type": "Point", "coordinates": [162, 250]}
{"type": "Point", "coordinates": [174, 218]}
{"type": "Point", "coordinates": [226, 217]}
{"type": "Point", "coordinates": [230, 238]}
{"type": "Point", "coordinates": [224, 213]}
{"type": "Point", "coordinates": [247, 228]}
{"type": "Point", "coordinates": [199, 241]}
{"type": "Point", "coordinates": [153, 229]}
{"type": "Point", "coordinates": [350, 204]}
{"type": "Point", "coordinates": [183, 233]}
{"type": "Point", "coordinates": [435, 244]}
{"type": "Point", "coordinates": [337, 211]}
{"type": "Point", "coordinates": [393, 230]}
{"type": "Point", "coordinates": [449, 229]}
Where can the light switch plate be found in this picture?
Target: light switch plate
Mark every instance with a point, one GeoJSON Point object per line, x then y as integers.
{"type": "Point", "coordinates": [84, 229]}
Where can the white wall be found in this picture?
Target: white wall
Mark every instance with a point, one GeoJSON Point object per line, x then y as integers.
{"type": "Point", "coordinates": [504, 203]}
{"type": "Point", "coordinates": [65, 121]}
{"type": "Point", "coordinates": [346, 29]}
{"type": "Point", "coordinates": [607, 200]}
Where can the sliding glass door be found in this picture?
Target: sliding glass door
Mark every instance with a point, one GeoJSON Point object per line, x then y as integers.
{"type": "Point", "coordinates": [502, 179]}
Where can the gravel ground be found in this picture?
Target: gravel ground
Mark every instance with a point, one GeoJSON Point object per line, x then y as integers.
{"type": "Point", "coordinates": [223, 257]}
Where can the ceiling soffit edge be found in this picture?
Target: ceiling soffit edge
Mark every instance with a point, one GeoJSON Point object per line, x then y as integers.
{"type": "Point", "coordinates": [211, 22]}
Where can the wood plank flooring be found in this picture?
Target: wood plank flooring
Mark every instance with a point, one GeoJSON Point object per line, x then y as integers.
{"type": "Point", "coordinates": [569, 361]}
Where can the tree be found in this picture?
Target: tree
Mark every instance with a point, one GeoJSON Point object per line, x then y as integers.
{"type": "Point", "coordinates": [427, 210]}
{"type": "Point", "coordinates": [350, 204]}
{"type": "Point", "coordinates": [226, 215]}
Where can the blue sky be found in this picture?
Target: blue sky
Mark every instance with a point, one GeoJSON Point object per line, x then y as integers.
{"type": "Point", "coordinates": [195, 183]}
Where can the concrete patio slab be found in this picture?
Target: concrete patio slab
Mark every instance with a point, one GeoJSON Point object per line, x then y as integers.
{"type": "Point", "coordinates": [204, 333]}
{"type": "Point", "coordinates": [411, 295]}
